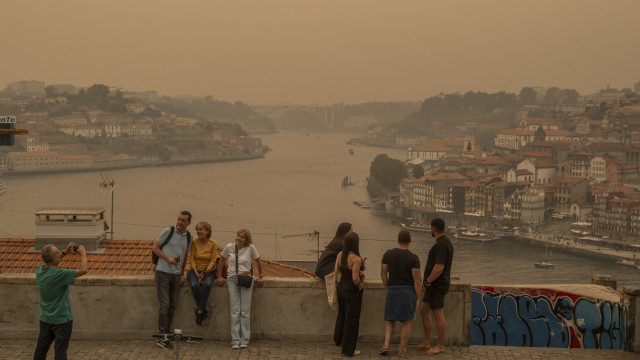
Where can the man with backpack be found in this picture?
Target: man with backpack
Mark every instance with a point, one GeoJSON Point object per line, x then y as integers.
{"type": "Point", "coordinates": [170, 250]}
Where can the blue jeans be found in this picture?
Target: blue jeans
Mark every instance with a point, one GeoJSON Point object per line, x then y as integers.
{"type": "Point", "coordinates": [240, 305]}
{"type": "Point", "coordinates": [200, 295]}
{"type": "Point", "coordinates": [61, 333]}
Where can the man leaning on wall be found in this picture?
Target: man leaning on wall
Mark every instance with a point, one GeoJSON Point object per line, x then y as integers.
{"type": "Point", "coordinates": [56, 319]}
{"type": "Point", "coordinates": [172, 248]}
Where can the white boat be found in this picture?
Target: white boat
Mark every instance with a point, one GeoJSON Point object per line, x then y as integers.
{"type": "Point", "coordinates": [627, 262]}
{"type": "Point", "coordinates": [476, 236]}
{"type": "Point", "coordinates": [545, 263]}
{"type": "Point", "coordinates": [416, 227]}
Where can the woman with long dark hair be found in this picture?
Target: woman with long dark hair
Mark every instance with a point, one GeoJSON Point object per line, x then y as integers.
{"type": "Point", "coordinates": [349, 296]}
{"type": "Point", "coordinates": [327, 261]}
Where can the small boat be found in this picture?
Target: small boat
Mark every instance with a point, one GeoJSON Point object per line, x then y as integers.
{"type": "Point", "coordinates": [627, 262]}
{"type": "Point", "coordinates": [416, 227]}
{"type": "Point", "coordinates": [361, 204]}
{"type": "Point", "coordinates": [476, 236]}
{"type": "Point", "coordinates": [543, 264]}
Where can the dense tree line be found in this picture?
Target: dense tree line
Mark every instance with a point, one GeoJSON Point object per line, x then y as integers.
{"type": "Point", "coordinates": [383, 112]}
{"type": "Point", "coordinates": [387, 171]}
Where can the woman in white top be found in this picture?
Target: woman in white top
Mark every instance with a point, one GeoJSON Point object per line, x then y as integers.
{"type": "Point", "coordinates": [240, 297]}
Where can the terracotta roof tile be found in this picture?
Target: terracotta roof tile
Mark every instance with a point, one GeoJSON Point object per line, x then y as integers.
{"type": "Point", "coordinates": [120, 257]}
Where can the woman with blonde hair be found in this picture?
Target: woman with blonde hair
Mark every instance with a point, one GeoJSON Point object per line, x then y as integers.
{"type": "Point", "coordinates": [202, 260]}
{"type": "Point", "coordinates": [239, 256]}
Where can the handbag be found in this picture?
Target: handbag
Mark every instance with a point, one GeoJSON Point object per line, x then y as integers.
{"type": "Point", "coordinates": [243, 280]}
{"type": "Point", "coordinates": [331, 282]}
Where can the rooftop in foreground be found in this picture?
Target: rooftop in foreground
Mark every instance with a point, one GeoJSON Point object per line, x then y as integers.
{"type": "Point", "coordinates": [120, 257]}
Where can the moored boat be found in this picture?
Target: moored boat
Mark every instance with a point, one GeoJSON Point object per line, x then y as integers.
{"type": "Point", "coordinates": [476, 236]}
{"type": "Point", "coordinates": [627, 262]}
{"type": "Point", "coordinates": [416, 227]}
{"type": "Point", "coordinates": [543, 264]}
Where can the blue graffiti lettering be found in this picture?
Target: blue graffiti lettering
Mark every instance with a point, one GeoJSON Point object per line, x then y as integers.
{"type": "Point", "coordinates": [523, 320]}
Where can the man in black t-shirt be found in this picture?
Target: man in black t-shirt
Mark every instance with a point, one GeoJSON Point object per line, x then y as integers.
{"type": "Point", "coordinates": [437, 277]}
{"type": "Point", "coordinates": [400, 271]}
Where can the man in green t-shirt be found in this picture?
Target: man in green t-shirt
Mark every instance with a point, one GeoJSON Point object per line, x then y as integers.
{"type": "Point", "coordinates": [56, 320]}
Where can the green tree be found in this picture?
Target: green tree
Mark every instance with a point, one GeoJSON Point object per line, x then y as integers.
{"type": "Point", "coordinates": [98, 91]}
{"type": "Point", "coordinates": [50, 91]}
{"type": "Point", "coordinates": [387, 171]}
{"type": "Point", "coordinates": [552, 97]}
{"type": "Point", "coordinates": [570, 96]}
{"type": "Point", "coordinates": [528, 96]}
{"type": "Point", "coordinates": [418, 172]}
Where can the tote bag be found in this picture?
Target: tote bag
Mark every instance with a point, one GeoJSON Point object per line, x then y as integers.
{"type": "Point", "coordinates": [331, 282]}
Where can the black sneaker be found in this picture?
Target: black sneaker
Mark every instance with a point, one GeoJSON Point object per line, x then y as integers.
{"type": "Point", "coordinates": [165, 344]}
{"type": "Point", "coordinates": [205, 315]}
{"type": "Point", "coordinates": [199, 318]}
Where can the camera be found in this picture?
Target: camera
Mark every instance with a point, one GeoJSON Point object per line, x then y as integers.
{"type": "Point", "coordinates": [74, 248]}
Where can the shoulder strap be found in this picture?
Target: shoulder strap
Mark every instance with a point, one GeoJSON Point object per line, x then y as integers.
{"type": "Point", "coordinates": [168, 237]}
{"type": "Point", "coordinates": [188, 238]}
{"type": "Point", "coordinates": [236, 259]}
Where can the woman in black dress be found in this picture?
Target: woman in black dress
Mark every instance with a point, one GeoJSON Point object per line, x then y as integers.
{"type": "Point", "coordinates": [349, 296]}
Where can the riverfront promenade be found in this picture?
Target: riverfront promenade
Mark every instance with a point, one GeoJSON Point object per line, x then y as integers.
{"type": "Point", "coordinates": [22, 349]}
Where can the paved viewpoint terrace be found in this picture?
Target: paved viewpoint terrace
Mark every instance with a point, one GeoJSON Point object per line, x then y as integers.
{"type": "Point", "coordinates": [22, 349]}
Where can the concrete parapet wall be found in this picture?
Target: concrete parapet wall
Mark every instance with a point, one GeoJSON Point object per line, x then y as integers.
{"type": "Point", "coordinates": [632, 302]}
{"type": "Point", "coordinates": [126, 307]}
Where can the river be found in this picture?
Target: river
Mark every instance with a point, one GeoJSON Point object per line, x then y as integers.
{"type": "Point", "coordinates": [282, 198]}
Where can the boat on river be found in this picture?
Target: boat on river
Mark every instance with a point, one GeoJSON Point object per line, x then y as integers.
{"type": "Point", "coordinates": [628, 263]}
{"type": "Point", "coordinates": [545, 263]}
{"type": "Point", "coordinates": [3, 187]}
{"type": "Point", "coordinates": [416, 227]}
{"type": "Point", "coordinates": [472, 235]}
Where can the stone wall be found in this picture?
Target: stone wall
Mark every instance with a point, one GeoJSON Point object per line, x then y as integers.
{"type": "Point", "coordinates": [125, 307]}
{"type": "Point", "coordinates": [632, 301]}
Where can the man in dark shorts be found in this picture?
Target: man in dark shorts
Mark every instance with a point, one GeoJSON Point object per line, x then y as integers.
{"type": "Point", "coordinates": [437, 277]}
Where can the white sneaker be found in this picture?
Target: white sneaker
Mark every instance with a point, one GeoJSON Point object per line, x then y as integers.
{"type": "Point", "coordinates": [355, 353]}
{"type": "Point", "coordinates": [235, 347]}
{"type": "Point", "coordinates": [243, 346]}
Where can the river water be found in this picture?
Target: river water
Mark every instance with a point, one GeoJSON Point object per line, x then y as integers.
{"type": "Point", "coordinates": [282, 198]}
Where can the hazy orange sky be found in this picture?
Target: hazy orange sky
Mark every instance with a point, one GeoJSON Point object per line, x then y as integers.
{"type": "Point", "coordinates": [322, 52]}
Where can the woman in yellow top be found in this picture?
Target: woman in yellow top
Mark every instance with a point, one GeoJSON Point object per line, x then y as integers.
{"type": "Point", "coordinates": [202, 259]}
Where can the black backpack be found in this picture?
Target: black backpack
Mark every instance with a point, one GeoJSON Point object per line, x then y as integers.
{"type": "Point", "coordinates": [154, 257]}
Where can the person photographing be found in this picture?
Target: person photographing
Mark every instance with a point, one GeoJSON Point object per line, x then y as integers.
{"type": "Point", "coordinates": [56, 318]}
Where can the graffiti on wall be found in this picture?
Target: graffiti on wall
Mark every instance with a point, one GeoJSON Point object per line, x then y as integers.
{"type": "Point", "coordinates": [545, 318]}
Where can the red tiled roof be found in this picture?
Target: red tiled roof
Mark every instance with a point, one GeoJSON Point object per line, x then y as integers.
{"type": "Point", "coordinates": [537, 154]}
{"type": "Point", "coordinates": [517, 132]}
{"type": "Point", "coordinates": [540, 121]}
{"type": "Point", "coordinates": [120, 257]}
{"type": "Point", "coordinates": [15, 154]}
